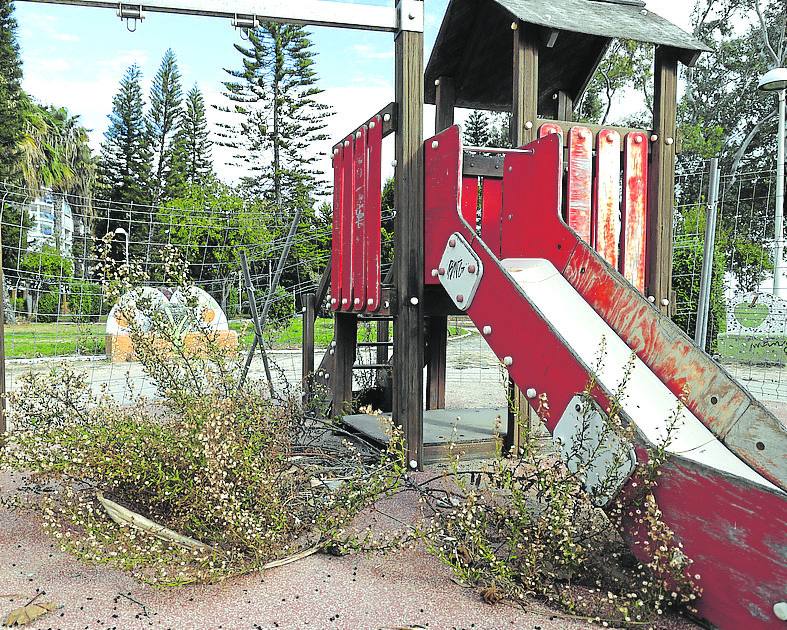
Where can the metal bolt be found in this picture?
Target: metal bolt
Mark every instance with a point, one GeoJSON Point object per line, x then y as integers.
{"type": "Point", "coordinates": [668, 141]}
{"type": "Point", "coordinates": [487, 330]}
{"type": "Point", "coordinates": [643, 12]}
{"type": "Point", "coordinates": [336, 151]}
{"type": "Point", "coordinates": [510, 216]}
{"type": "Point", "coordinates": [357, 301]}
{"type": "Point", "coordinates": [638, 139]}
{"type": "Point", "coordinates": [370, 301]}
{"type": "Point", "coordinates": [393, 163]}
{"type": "Point", "coordinates": [372, 125]}
{"type": "Point", "coordinates": [554, 96]}
{"type": "Point", "coordinates": [347, 143]}
{"type": "Point", "coordinates": [610, 138]}
{"type": "Point", "coordinates": [387, 304]}
{"type": "Point", "coordinates": [331, 351]}
{"type": "Point", "coordinates": [333, 300]}
{"type": "Point", "coordinates": [507, 361]}
{"type": "Point", "coordinates": [413, 464]}
{"type": "Point", "coordinates": [327, 376]}
{"type": "Point", "coordinates": [451, 242]}
{"type": "Point", "coordinates": [387, 117]}
{"type": "Point", "coordinates": [434, 273]}
{"type": "Point", "coordinates": [514, 26]}
{"type": "Point", "coordinates": [303, 310]}
{"type": "Point", "coordinates": [651, 299]}
{"type": "Point", "coordinates": [460, 298]}
{"type": "Point", "coordinates": [414, 301]}
{"type": "Point", "coordinates": [333, 344]}
{"type": "Point", "coordinates": [780, 610]}
{"type": "Point", "coordinates": [357, 135]}
{"type": "Point", "coordinates": [531, 392]}
{"type": "Point", "coordinates": [664, 302]}
{"type": "Point", "coordinates": [529, 124]}
{"type": "Point", "coordinates": [470, 269]}
{"type": "Point", "coordinates": [344, 301]}
{"type": "Point", "coordinates": [654, 137]}
{"type": "Point", "coordinates": [441, 271]}
{"type": "Point", "coordinates": [435, 144]}
{"type": "Point", "coordinates": [437, 82]}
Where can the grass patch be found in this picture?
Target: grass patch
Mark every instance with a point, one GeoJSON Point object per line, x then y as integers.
{"type": "Point", "coordinates": [755, 349]}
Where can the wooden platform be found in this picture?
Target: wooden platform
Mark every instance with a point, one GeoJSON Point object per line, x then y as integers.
{"type": "Point", "coordinates": [473, 431]}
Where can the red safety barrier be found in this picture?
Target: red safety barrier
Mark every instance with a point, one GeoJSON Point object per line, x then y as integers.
{"type": "Point", "coordinates": [635, 208]}
{"type": "Point", "coordinates": [580, 182]}
{"type": "Point", "coordinates": [606, 193]}
{"type": "Point", "coordinates": [357, 202]}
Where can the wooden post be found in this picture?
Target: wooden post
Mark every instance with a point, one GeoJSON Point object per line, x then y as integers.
{"type": "Point", "coordinates": [308, 345]}
{"type": "Point", "coordinates": [437, 326]}
{"type": "Point", "coordinates": [409, 244]}
{"type": "Point", "coordinates": [3, 424]}
{"type": "Point", "coordinates": [524, 107]}
{"type": "Point", "coordinates": [564, 107]}
{"type": "Point", "coordinates": [662, 178]}
{"type": "Point", "coordinates": [345, 334]}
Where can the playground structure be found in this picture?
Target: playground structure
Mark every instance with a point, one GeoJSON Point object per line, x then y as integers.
{"type": "Point", "coordinates": [543, 281]}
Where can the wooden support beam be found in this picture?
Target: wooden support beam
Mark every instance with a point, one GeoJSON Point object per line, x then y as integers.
{"type": "Point", "coordinates": [408, 358]}
{"type": "Point", "coordinates": [345, 334]}
{"type": "Point", "coordinates": [662, 178]}
{"type": "Point", "coordinates": [437, 327]}
{"type": "Point", "coordinates": [524, 107]}
{"type": "Point", "coordinates": [445, 100]}
{"type": "Point", "coordinates": [307, 363]}
{"type": "Point", "coordinates": [564, 107]}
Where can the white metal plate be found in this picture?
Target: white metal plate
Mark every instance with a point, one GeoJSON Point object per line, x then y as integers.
{"type": "Point", "coordinates": [460, 271]}
{"type": "Point", "coordinates": [586, 440]}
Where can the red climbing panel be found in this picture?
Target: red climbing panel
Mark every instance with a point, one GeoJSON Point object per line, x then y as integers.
{"type": "Point", "coordinates": [360, 172]}
{"type": "Point", "coordinates": [607, 196]}
{"type": "Point", "coordinates": [470, 201]}
{"type": "Point", "coordinates": [338, 226]}
{"type": "Point", "coordinates": [550, 128]}
{"type": "Point", "coordinates": [635, 206]}
{"type": "Point", "coordinates": [373, 213]}
{"type": "Point", "coordinates": [348, 203]}
{"type": "Point", "coordinates": [579, 189]}
{"type": "Point", "coordinates": [492, 207]}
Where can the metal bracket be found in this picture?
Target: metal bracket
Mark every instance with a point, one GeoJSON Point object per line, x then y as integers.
{"type": "Point", "coordinates": [460, 271]}
{"type": "Point", "coordinates": [585, 440]}
{"type": "Point", "coordinates": [131, 13]}
{"type": "Point", "coordinates": [410, 14]}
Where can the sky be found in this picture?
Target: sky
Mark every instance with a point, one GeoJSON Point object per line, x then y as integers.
{"type": "Point", "coordinates": [75, 57]}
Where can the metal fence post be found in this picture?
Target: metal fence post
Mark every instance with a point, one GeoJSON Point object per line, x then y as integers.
{"type": "Point", "coordinates": [706, 279]}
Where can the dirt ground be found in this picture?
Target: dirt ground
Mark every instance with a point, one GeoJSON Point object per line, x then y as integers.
{"type": "Point", "coordinates": [406, 589]}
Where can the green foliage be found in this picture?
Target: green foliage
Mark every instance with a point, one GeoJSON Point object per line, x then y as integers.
{"type": "Point", "coordinates": [212, 222]}
{"type": "Point", "coordinates": [125, 168]}
{"type": "Point", "coordinates": [86, 300]}
{"type": "Point", "coordinates": [11, 94]}
{"type": "Point", "coordinates": [687, 259]}
{"type": "Point", "coordinates": [48, 264]}
{"type": "Point", "coordinates": [275, 96]}
{"type": "Point", "coordinates": [192, 162]}
{"type": "Point", "coordinates": [163, 122]}
{"type": "Point", "coordinates": [476, 129]}
{"type": "Point", "coordinates": [49, 305]}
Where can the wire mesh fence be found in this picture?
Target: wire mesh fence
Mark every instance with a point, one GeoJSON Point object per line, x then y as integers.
{"type": "Point", "coordinates": [747, 319]}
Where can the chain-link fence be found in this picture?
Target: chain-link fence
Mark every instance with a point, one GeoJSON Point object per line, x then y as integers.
{"type": "Point", "coordinates": [746, 320]}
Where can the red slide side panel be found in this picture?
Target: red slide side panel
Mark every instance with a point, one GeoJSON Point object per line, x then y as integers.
{"type": "Point", "coordinates": [373, 214]}
{"type": "Point", "coordinates": [635, 208]}
{"type": "Point", "coordinates": [360, 173]}
{"type": "Point", "coordinates": [607, 196]}
{"type": "Point", "coordinates": [580, 182]}
{"type": "Point", "coordinates": [532, 197]}
{"type": "Point", "coordinates": [338, 227]}
{"type": "Point", "coordinates": [442, 199]}
{"type": "Point", "coordinates": [348, 206]}
{"type": "Point", "coordinates": [491, 213]}
{"type": "Point", "coordinates": [470, 201]}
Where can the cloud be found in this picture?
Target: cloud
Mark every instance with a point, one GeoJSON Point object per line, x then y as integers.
{"type": "Point", "coordinates": [365, 51]}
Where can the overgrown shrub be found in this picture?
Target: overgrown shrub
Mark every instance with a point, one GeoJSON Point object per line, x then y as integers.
{"type": "Point", "coordinates": [49, 305]}
{"type": "Point", "coordinates": [86, 300]}
{"type": "Point", "coordinates": [246, 479]}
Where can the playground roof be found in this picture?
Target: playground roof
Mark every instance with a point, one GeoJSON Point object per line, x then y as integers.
{"type": "Point", "coordinates": [474, 45]}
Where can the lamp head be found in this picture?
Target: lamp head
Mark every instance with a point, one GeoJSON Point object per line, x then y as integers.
{"type": "Point", "coordinates": [773, 80]}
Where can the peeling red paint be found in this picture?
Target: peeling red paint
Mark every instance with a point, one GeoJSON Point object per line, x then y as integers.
{"type": "Point", "coordinates": [635, 205]}
{"type": "Point", "coordinates": [579, 188]}
{"type": "Point", "coordinates": [607, 196]}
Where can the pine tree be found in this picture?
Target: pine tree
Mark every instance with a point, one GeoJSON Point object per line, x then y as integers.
{"type": "Point", "coordinates": [125, 167]}
{"type": "Point", "coordinates": [476, 133]}
{"type": "Point", "coordinates": [274, 94]}
{"type": "Point", "coordinates": [192, 163]}
{"type": "Point", "coordinates": [164, 119]}
{"type": "Point", "coordinates": [11, 95]}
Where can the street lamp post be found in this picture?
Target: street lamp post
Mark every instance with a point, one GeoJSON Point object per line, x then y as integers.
{"type": "Point", "coordinates": [122, 231]}
{"type": "Point", "coordinates": [775, 80]}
